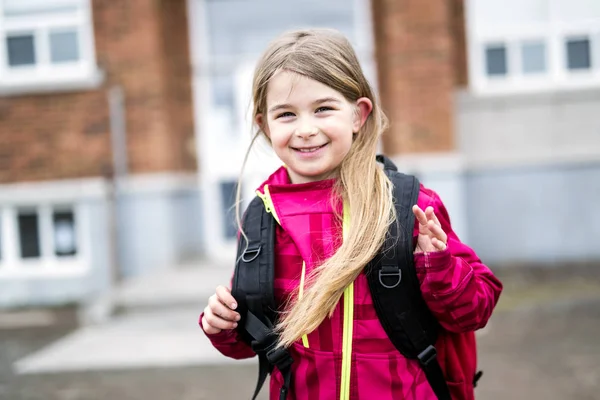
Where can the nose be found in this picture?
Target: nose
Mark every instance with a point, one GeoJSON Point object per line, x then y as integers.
{"type": "Point", "coordinates": [306, 130]}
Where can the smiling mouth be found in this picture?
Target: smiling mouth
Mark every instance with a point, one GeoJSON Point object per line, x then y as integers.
{"type": "Point", "coordinates": [309, 149]}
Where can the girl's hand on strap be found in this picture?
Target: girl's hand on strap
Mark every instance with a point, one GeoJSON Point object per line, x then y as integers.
{"type": "Point", "coordinates": [431, 235]}
{"type": "Point", "coordinates": [219, 314]}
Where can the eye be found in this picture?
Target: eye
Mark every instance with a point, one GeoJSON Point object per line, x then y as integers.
{"type": "Point", "coordinates": [284, 115]}
{"type": "Point", "coordinates": [323, 109]}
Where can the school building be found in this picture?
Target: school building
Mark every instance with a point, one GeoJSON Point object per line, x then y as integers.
{"type": "Point", "coordinates": [123, 126]}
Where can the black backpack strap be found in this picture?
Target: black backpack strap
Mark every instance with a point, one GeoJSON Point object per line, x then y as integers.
{"type": "Point", "coordinates": [388, 165]}
{"type": "Point", "coordinates": [253, 290]}
{"type": "Point", "coordinates": [395, 287]}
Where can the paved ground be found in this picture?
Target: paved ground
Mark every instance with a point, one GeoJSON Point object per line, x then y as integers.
{"type": "Point", "coordinates": [542, 343]}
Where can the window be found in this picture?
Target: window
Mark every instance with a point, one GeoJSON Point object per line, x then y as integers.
{"type": "Point", "coordinates": [29, 234]}
{"type": "Point", "coordinates": [46, 43]}
{"type": "Point", "coordinates": [530, 45]}
{"type": "Point", "coordinates": [39, 239]}
{"type": "Point", "coordinates": [496, 60]}
{"type": "Point", "coordinates": [578, 54]}
{"type": "Point", "coordinates": [21, 50]}
{"type": "Point", "coordinates": [533, 57]}
{"type": "Point", "coordinates": [65, 238]}
{"type": "Point", "coordinates": [64, 46]}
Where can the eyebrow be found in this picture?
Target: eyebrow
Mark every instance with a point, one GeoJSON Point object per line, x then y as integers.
{"type": "Point", "coordinates": [319, 101]}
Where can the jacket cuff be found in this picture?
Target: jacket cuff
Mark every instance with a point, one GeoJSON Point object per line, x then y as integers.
{"type": "Point", "coordinates": [437, 260]}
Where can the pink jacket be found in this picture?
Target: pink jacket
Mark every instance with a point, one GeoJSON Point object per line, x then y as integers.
{"type": "Point", "coordinates": [459, 290]}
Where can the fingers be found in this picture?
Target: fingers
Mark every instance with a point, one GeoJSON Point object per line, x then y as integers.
{"type": "Point", "coordinates": [225, 297]}
{"type": "Point", "coordinates": [438, 244]}
{"type": "Point", "coordinates": [221, 310]}
{"type": "Point", "coordinates": [208, 328]}
{"type": "Point", "coordinates": [438, 236]}
{"type": "Point", "coordinates": [431, 215]}
{"type": "Point", "coordinates": [214, 318]}
{"type": "Point", "coordinates": [219, 314]}
{"type": "Point", "coordinates": [420, 215]}
{"type": "Point", "coordinates": [431, 227]}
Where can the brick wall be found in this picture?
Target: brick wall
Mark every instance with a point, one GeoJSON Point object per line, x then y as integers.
{"type": "Point", "coordinates": [141, 45]}
{"type": "Point", "coordinates": [420, 58]}
{"type": "Point", "coordinates": [53, 136]}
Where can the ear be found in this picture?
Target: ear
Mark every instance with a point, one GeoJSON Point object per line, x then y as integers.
{"type": "Point", "coordinates": [261, 122]}
{"type": "Point", "coordinates": [364, 106]}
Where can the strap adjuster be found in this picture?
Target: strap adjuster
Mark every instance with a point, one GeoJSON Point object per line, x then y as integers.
{"type": "Point", "coordinates": [279, 357]}
{"type": "Point", "coordinates": [427, 356]}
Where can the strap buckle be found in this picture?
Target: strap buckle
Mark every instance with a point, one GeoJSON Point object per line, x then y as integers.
{"type": "Point", "coordinates": [389, 271]}
{"type": "Point", "coordinates": [427, 356]}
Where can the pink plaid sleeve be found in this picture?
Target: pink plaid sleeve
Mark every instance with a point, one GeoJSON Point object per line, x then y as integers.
{"type": "Point", "coordinates": [458, 288]}
{"type": "Point", "coordinates": [228, 343]}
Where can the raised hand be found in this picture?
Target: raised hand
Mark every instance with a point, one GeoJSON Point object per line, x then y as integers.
{"type": "Point", "coordinates": [431, 235]}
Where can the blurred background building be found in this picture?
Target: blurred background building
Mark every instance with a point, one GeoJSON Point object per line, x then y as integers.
{"type": "Point", "coordinates": [123, 126]}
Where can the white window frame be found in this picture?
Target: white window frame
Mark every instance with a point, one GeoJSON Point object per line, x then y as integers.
{"type": "Point", "coordinates": [553, 34]}
{"type": "Point", "coordinates": [48, 264]}
{"type": "Point", "coordinates": [45, 76]}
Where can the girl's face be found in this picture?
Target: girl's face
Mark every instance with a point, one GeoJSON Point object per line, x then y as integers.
{"type": "Point", "coordinates": [310, 125]}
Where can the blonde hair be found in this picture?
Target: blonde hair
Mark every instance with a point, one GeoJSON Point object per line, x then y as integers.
{"type": "Point", "coordinates": [326, 56]}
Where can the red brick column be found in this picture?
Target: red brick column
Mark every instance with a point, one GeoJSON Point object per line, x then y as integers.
{"type": "Point", "coordinates": [419, 56]}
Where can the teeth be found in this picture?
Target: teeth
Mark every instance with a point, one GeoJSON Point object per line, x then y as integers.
{"type": "Point", "coordinates": [310, 150]}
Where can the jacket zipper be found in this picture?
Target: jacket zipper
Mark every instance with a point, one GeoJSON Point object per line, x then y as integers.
{"type": "Point", "coordinates": [348, 323]}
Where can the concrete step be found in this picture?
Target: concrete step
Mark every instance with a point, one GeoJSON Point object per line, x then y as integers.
{"type": "Point", "coordinates": [187, 285]}
{"type": "Point", "coordinates": [151, 339]}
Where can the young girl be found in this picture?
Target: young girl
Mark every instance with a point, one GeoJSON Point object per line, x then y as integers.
{"type": "Point", "coordinates": [317, 110]}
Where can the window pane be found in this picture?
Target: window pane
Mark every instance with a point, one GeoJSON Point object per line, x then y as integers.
{"type": "Point", "coordinates": [495, 57]}
{"type": "Point", "coordinates": [534, 57]}
{"type": "Point", "coordinates": [228, 191]}
{"type": "Point", "coordinates": [64, 46]}
{"type": "Point", "coordinates": [65, 234]}
{"type": "Point", "coordinates": [578, 54]}
{"type": "Point", "coordinates": [21, 50]}
{"type": "Point", "coordinates": [29, 236]}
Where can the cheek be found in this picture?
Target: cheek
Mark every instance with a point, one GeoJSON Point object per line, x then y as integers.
{"type": "Point", "coordinates": [279, 137]}
{"type": "Point", "coordinates": [343, 127]}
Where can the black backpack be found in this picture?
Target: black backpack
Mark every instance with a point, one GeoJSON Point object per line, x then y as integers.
{"type": "Point", "coordinates": [392, 280]}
